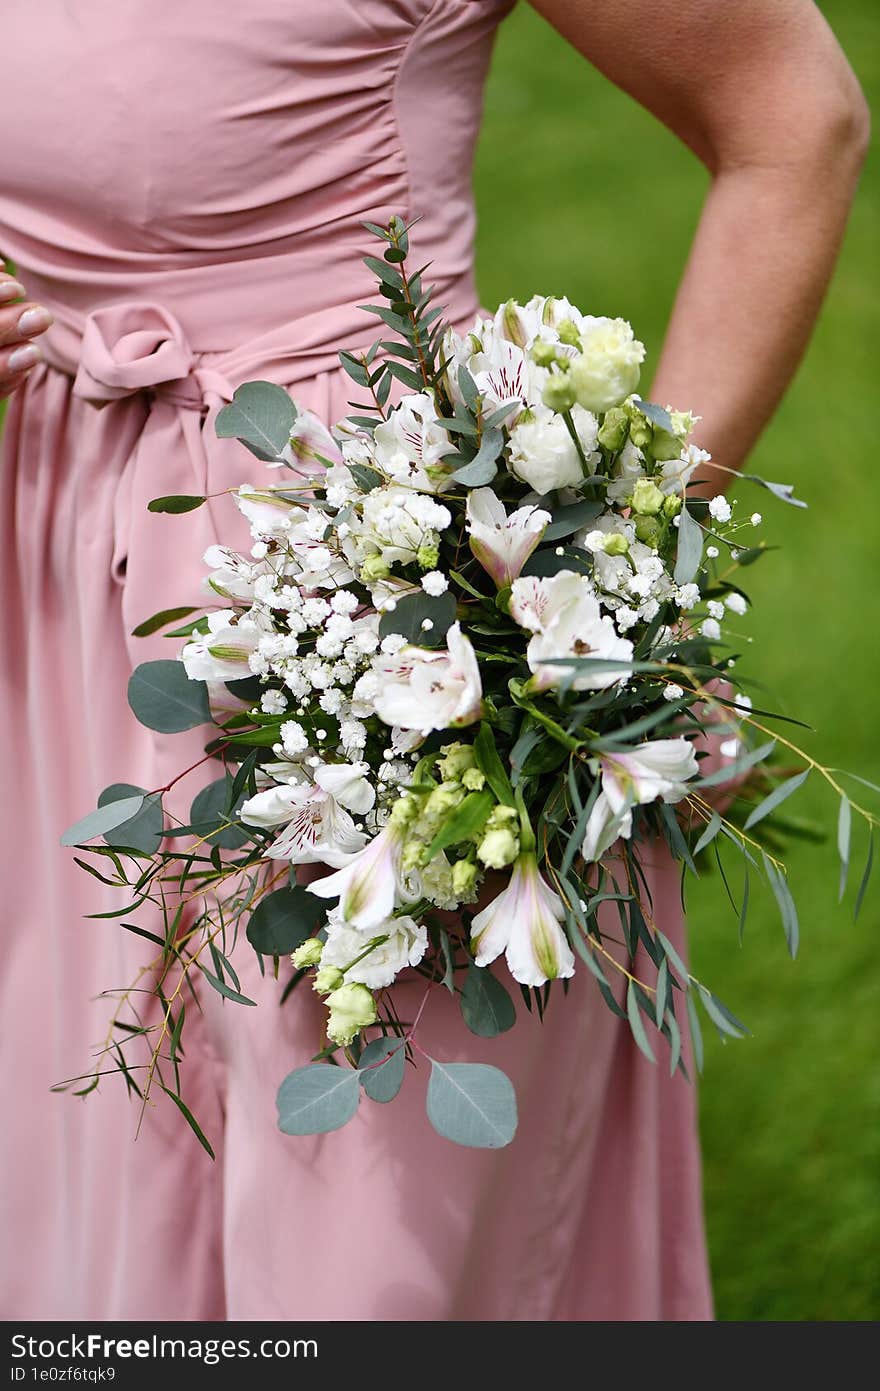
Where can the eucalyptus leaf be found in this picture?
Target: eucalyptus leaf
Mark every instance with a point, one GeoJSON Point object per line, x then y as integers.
{"type": "Point", "coordinates": [787, 909]}
{"type": "Point", "coordinates": [690, 548]}
{"type": "Point", "coordinates": [656, 414]}
{"type": "Point", "coordinates": [784, 491]}
{"type": "Point", "coordinates": [261, 415]}
{"type": "Point", "coordinates": [283, 920]}
{"type": "Point", "coordinates": [176, 502]}
{"type": "Point", "coordinates": [106, 818]}
{"type": "Point", "coordinates": [634, 1015]}
{"type": "Point", "coordinates": [570, 519]}
{"type": "Point", "coordinates": [472, 1104]}
{"type": "Point", "coordinates": [143, 831]}
{"type": "Point", "coordinates": [366, 478]}
{"type": "Point", "coordinates": [486, 1007]}
{"type": "Point", "coordinates": [209, 813]}
{"type": "Point", "coordinates": [844, 831]}
{"type": "Point", "coordinates": [866, 875]}
{"type": "Point", "coordinates": [412, 611]}
{"type": "Point", "coordinates": [164, 698]}
{"type": "Point", "coordinates": [381, 1067]}
{"type": "Point", "coordinates": [776, 798]}
{"type": "Point", "coordinates": [160, 620]}
{"type": "Point", "coordinates": [317, 1098]}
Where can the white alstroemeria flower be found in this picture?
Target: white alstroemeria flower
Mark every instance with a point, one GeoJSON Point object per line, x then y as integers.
{"type": "Point", "coordinates": [524, 923]}
{"type": "Point", "coordinates": [222, 654]}
{"type": "Point", "coordinates": [319, 829]}
{"type": "Point", "coordinates": [543, 453]}
{"type": "Point", "coordinates": [425, 688]}
{"type": "Point", "coordinates": [501, 543]}
{"type": "Point", "coordinates": [410, 445]}
{"type": "Point", "coordinates": [405, 945]}
{"type": "Point", "coordinates": [232, 576]}
{"type": "Point", "coordinates": [312, 448]}
{"type": "Point", "coordinates": [268, 513]}
{"type": "Point", "coordinates": [563, 612]}
{"type": "Point", "coordinates": [657, 770]}
{"type": "Point", "coordinates": [500, 373]}
{"type": "Point", "coordinates": [371, 884]}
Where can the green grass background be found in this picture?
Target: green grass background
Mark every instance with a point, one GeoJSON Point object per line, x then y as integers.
{"type": "Point", "coordinates": [581, 192]}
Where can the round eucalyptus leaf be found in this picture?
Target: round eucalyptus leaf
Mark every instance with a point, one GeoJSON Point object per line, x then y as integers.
{"type": "Point", "coordinates": [317, 1098]}
{"type": "Point", "coordinates": [486, 1007]}
{"type": "Point", "coordinates": [412, 611]}
{"type": "Point", "coordinates": [208, 813]}
{"type": "Point", "coordinates": [283, 920]}
{"type": "Point", "coordinates": [381, 1067]}
{"type": "Point", "coordinates": [163, 697]}
{"type": "Point", "coordinates": [261, 415]}
{"type": "Point", "coordinates": [472, 1104]}
{"type": "Point", "coordinates": [144, 830]}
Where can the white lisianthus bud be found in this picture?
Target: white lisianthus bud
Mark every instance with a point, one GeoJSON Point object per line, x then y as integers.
{"type": "Point", "coordinates": [647, 498]}
{"type": "Point", "coordinates": [352, 1008]}
{"type": "Point", "coordinates": [329, 978]}
{"type": "Point", "coordinates": [309, 954]}
{"type": "Point", "coordinates": [606, 371]}
{"type": "Point", "coordinates": [559, 393]}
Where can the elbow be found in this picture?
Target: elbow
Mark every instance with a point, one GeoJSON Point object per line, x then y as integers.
{"type": "Point", "coordinates": [837, 128]}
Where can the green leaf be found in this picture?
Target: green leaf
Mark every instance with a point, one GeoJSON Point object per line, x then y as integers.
{"type": "Point", "coordinates": [189, 1118]}
{"type": "Point", "coordinates": [366, 478]}
{"type": "Point", "coordinates": [163, 697]}
{"type": "Point", "coordinates": [486, 1007]}
{"type": "Point", "coordinates": [97, 823]}
{"type": "Point", "coordinates": [662, 992]}
{"type": "Point", "coordinates": [468, 817]}
{"type": "Point", "coordinates": [784, 491]}
{"type": "Point", "coordinates": [143, 831]}
{"type": "Point", "coordinates": [472, 1104]}
{"type": "Point", "coordinates": [261, 415]}
{"type": "Point", "coordinates": [869, 863]}
{"type": "Point", "coordinates": [490, 765]}
{"type": "Point", "coordinates": [724, 1021]}
{"type": "Point", "coordinates": [786, 903]}
{"type": "Point", "coordinates": [176, 502]}
{"type": "Point", "coordinates": [776, 797]}
{"type": "Point", "coordinates": [411, 612]}
{"type": "Point", "coordinates": [226, 990]}
{"type": "Point", "coordinates": [482, 468]}
{"type": "Point", "coordinates": [317, 1098]}
{"type": "Point", "coordinates": [844, 830]}
{"type": "Point", "coordinates": [208, 814]}
{"type": "Point", "coordinates": [656, 414]}
{"type": "Point", "coordinates": [690, 548]}
{"type": "Point", "coordinates": [381, 1067]}
{"type": "Point", "coordinates": [160, 620]}
{"type": "Point", "coordinates": [283, 920]}
{"type": "Point", "coordinates": [544, 562]}
{"type": "Point", "coordinates": [634, 1015]}
{"type": "Point", "coordinates": [696, 1032]}
{"type": "Point", "coordinates": [355, 369]}
{"type": "Point", "coordinates": [569, 519]}
{"type": "Point", "coordinates": [709, 833]}
{"type": "Point", "coordinates": [678, 963]}
{"type": "Point", "coordinates": [738, 767]}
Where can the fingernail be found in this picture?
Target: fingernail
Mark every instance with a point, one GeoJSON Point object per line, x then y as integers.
{"type": "Point", "coordinates": [23, 357]}
{"type": "Point", "coordinates": [34, 321]}
{"type": "Point", "coordinates": [10, 289]}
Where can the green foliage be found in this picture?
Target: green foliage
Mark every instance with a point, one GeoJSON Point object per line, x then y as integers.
{"type": "Point", "coordinates": [261, 415]}
{"type": "Point", "coordinates": [164, 698]}
{"type": "Point", "coordinates": [317, 1098]}
{"type": "Point", "coordinates": [283, 920]}
{"type": "Point", "coordinates": [472, 1104]}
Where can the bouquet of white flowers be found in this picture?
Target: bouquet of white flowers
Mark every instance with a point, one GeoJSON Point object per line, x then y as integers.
{"type": "Point", "coordinates": [481, 629]}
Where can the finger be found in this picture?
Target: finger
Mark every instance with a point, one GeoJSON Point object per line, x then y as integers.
{"type": "Point", "coordinates": [23, 321]}
{"type": "Point", "coordinates": [10, 288]}
{"type": "Point", "coordinates": [16, 361]}
{"type": "Point", "coordinates": [11, 385]}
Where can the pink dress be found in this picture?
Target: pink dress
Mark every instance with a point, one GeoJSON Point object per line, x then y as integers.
{"type": "Point", "coordinates": [183, 186]}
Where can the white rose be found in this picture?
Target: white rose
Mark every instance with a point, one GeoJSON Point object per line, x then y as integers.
{"type": "Point", "coordinates": [543, 454]}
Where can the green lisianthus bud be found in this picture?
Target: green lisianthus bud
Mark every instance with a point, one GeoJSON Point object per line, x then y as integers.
{"type": "Point", "coordinates": [640, 430]}
{"type": "Point", "coordinates": [664, 445]}
{"type": "Point", "coordinates": [308, 954]}
{"type": "Point", "coordinates": [498, 848]}
{"type": "Point", "coordinates": [615, 543]}
{"type": "Point", "coordinates": [412, 855]}
{"type": "Point", "coordinates": [671, 505]}
{"type": "Point", "coordinates": [648, 531]}
{"type": "Point", "coordinates": [442, 801]}
{"type": "Point", "coordinates": [327, 979]}
{"type": "Point", "coordinates": [352, 1008]}
{"type": "Point", "coordinates": [514, 328]}
{"type": "Point", "coordinates": [558, 394]}
{"type": "Point", "coordinates": [568, 333]}
{"type": "Point", "coordinates": [457, 758]}
{"type": "Point", "coordinates": [375, 567]}
{"type": "Point", "coordinates": [544, 354]}
{"type": "Point", "coordinates": [614, 429]}
{"type": "Point", "coordinates": [473, 779]}
{"type": "Point", "coordinates": [404, 812]}
{"type": "Point", "coordinates": [464, 877]}
{"type": "Point", "coordinates": [428, 555]}
{"type": "Point", "coordinates": [647, 498]}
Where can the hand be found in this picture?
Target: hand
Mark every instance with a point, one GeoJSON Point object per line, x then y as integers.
{"type": "Point", "coordinates": [21, 320]}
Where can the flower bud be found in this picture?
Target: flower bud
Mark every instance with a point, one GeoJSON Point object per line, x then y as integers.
{"type": "Point", "coordinates": [443, 800]}
{"type": "Point", "coordinates": [428, 555]}
{"type": "Point", "coordinates": [671, 505]}
{"type": "Point", "coordinates": [464, 877]}
{"type": "Point", "coordinates": [647, 498]}
{"type": "Point", "coordinates": [648, 531]}
{"type": "Point", "coordinates": [457, 758]}
{"type": "Point", "coordinates": [664, 445]}
{"type": "Point", "coordinates": [544, 354]}
{"type": "Point", "coordinates": [640, 430]}
{"type": "Point", "coordinates": [352, 1008]}
{"type": "Point", "coordinates": [558, 394]}
{"type": "Point", "coordinates": [403, 813]}
{"type": "Point", "coordinates": [498, 848]}
{"type": "Point", "coordinates": [615, 543]}
{"type": "Point", "coordinates": [375, 567]}
{"type": "Point", "coordinates": [327, 979]}
{"type": "Point", "coordinates": [514, 328]}
{"type": "Point", "coordinates": [614, 429]}
{"type": "Point", "coordinates": [568, 333]}
{"type": "Point", "coordinates": [473, 780]}
{"type": "Point", "coordinates": [308, 954]}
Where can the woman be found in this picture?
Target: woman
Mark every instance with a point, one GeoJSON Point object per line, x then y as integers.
{"type": "Point", "coordinates": [182, 198]}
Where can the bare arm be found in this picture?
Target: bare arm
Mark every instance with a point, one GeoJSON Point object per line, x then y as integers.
{"type": "Point", "coordinates": [761, 92]}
